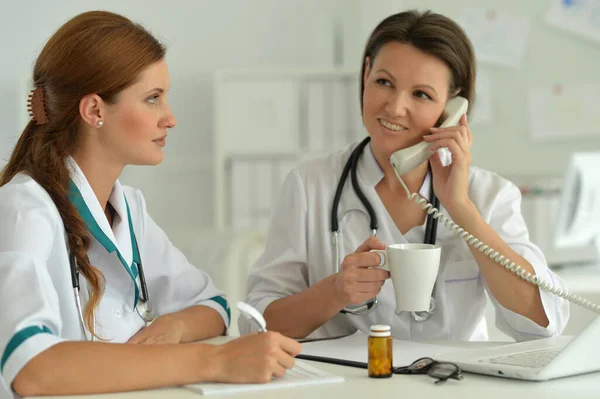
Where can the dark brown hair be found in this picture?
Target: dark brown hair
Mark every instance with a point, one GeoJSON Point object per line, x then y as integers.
{"type": "Point", "coordinates": [95, 52]}
{"type": "Point", "coordinates": [433, 34]}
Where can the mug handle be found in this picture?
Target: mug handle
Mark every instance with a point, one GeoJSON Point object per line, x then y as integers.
{"type": "Point", "coordinates": [382, 259]}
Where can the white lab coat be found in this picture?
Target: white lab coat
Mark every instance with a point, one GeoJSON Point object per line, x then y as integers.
{"type": "Point", "coordinates": [37, 305]}
{"type": "Point", "coordinates": [299, 252]}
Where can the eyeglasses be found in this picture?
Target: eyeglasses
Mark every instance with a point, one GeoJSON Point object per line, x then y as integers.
{"type": "Point", "coordinates": [426, 365]}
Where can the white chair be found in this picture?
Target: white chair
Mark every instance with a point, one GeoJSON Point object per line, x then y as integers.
{"type": "Point", "coordinates": [226, 256]}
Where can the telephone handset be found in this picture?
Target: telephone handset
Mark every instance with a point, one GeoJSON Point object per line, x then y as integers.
{"type": "Point", "coordinates": [406, 159]}
{"type": "Point", "coordinates": [409, 158]}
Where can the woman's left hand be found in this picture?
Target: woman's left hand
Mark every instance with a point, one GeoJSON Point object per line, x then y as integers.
{"type": "Point", "coordinates": [165, 329]}
{"type": "Point", "coordinates": [451, 183]}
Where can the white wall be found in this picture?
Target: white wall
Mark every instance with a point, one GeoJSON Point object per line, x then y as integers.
{"type": "Point", "coordinates": [207, 35]}
{"type": "Point", "coordinates": [553, 55]}
{"type": "Point", "coordinates": [202, 36]}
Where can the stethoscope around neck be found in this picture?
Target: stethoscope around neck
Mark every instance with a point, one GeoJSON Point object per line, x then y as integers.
{"type": "Point", "coordinates": [143, 306]}
{"type": "Point", "coordinates": [430, 230]}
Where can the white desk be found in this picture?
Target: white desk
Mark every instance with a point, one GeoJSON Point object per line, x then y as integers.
{"type": "Point", "coordinates": [359, 385]}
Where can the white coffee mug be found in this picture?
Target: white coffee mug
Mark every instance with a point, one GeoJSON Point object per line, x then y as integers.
{"type": "Point", "coordinates": [414, 269]}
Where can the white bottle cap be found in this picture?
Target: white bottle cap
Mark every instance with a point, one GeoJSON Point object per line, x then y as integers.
{"type": "Point", "coordinates": [380, 330]}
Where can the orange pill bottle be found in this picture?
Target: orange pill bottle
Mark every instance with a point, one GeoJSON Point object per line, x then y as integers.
{"type": "Point", "coordinates": [380, 351]}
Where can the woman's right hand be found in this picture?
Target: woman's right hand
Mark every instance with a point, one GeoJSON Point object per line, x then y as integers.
{"type": "Point", "coordinates": [357, 281]}
{"type": "Point", "coordinates": [256, 358]}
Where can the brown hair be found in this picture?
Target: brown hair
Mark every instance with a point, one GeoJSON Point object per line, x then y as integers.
{"type": "Point", "coordinates": [433, 34]}
{"type": "Point", "coordinates": [95, 52]}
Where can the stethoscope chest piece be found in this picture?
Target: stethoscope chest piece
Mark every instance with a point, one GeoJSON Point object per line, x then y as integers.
{"type": "Point", "coordinates": [425, 314]}
{"type": "Point", "coordinates": [430, 231]}
{"type": "Point", "coordinates": [146, 311]}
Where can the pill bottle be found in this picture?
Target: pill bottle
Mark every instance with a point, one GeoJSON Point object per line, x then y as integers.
{"type": "Point", "coordinates": [380, 351]}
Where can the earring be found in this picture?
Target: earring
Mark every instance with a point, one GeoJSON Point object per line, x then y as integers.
{"type": "Point", "coordinates": [100, 123]}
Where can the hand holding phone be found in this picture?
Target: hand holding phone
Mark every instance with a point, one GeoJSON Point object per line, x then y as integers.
{"type": "Point", "coordinates": [409, 158]}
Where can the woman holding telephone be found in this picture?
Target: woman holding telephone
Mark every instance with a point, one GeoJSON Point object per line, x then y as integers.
{"type": "Point", "coordinates": [307, 283]}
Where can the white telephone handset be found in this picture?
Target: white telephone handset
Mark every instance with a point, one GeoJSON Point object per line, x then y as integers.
{"type": "Point", "coordinates": [409, 158]}
{"type": "Point", "coordinates": [406, 159]}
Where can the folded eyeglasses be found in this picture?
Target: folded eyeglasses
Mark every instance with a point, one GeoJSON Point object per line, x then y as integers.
{"type": "Point", "coordinates": [426, 365]}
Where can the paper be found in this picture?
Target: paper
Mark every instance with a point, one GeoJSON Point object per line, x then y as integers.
{"type": "Point", "coordinates": [581, 17]}
{"type": "Point", "coordinates": [354, 348]}
{"type": "Point", "coordinates": [499, 38]}
{"type": "Point", "coordinates": [301, 374]}
{"type": "Point", "coordinates": [564, 111]}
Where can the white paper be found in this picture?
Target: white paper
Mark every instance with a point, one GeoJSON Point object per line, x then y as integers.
{"type": "Point", "coordinates": [354, 347]}
{"type": "Point", "coordinates": [483, 112]}
{"type": "Point", "coordinates": [499, 38]}
{"type": "Point", "coordinates": [581, 17]}
{"type": "Point", "coordinates": [564, 111]}
{"type": "Point", "coordinates": [301, 374]}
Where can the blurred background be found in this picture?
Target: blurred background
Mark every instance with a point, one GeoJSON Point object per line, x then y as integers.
{"type": "Point", "coordinates": [259, 85]}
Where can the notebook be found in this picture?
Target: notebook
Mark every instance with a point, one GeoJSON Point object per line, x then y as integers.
{"type": "Point", "coordinates": [302, 374]}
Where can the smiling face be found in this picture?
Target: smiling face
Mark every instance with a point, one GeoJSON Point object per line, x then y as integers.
{"type": "Point", "coordinates": [135, 126]}
{"type": "Point", "coordinates": [405, 91]}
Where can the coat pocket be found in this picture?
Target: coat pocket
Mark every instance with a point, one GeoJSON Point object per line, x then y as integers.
{"type": "Point", "coordinates": [464, 297]}
{"type": "Point", "coordinates": [461, 272]}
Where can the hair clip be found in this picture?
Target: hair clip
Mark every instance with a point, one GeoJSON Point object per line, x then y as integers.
{"type": "Point", "coordinates": [36, 105]}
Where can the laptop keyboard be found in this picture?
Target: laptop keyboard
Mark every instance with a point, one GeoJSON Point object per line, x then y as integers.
{"type": "Point", "coordinates": [536, 358]}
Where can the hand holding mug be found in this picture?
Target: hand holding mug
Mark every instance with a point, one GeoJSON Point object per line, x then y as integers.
{"type": "Point", "coordinates": [358, 280]}
{"type": "Point", "coordinates": [413, 269]}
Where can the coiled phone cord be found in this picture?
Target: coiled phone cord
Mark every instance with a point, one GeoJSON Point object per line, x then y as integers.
{"type": "Point", "coordinates": [496, 256]}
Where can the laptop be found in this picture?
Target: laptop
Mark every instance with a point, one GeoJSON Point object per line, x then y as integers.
{"type": "Point", "coordinates": [537, 360]}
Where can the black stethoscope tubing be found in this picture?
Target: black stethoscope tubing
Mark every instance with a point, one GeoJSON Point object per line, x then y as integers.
{"type": "Point", "coordinates": [75, 275]}
{"type": "Point", "coordinates": [350, 168]}
{"type": "Point", "coordinates": [147, 314]}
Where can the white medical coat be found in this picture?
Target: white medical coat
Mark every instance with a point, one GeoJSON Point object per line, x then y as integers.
{"type": "Point", "coordinates": [37, 304]}
{"type": "Point", "coordinates": [299, 252]}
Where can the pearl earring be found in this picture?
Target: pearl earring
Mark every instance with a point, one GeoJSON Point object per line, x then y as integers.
{"type": "Point", "coordinates": [100, 123]}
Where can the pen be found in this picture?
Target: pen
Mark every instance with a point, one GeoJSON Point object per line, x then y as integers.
{"type": "Point", "coordinates": [250, 313]}
{"type": "Point", "coordinates": [341, 362]}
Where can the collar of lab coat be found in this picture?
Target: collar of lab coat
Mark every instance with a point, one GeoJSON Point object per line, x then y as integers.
{"type": "Point", "coordinates": [119, 236]}
{"type": "Point", "coordinates": [371, 173]}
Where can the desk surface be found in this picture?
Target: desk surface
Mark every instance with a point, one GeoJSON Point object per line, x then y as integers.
{"type": "Point", "coordinates": [359, 385]}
